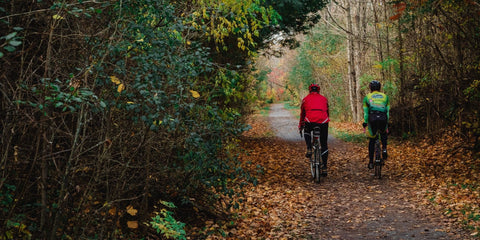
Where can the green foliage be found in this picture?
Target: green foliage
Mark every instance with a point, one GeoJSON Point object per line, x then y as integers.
{"type": "Point", "coordinates": [301, 74]}
{"type": "Point", "coordinates": [349, 136]}
{"type": "Point", "coordinates": [265, 110]}
{"type": "Point", "coordinates": [388, 64]}
{"type": "Point", "coordinates": [338, 103]}
{"type": "Point", "coordinates": [163, 71]}
{"type": "Point", "coordinates": [10, 41]}
{"type": "Point", "coordinates": [472, 121]}
{"type": "Point", "coordinates": [261, 85]}
{"type": "Point", "coordinates": [316, 64]}
{"type": "Point", "coordinates": [165, 223]}
{"type": "Point", "coordinates": [229, 85]}
{"type": "Point", "coordinates": [16, 230]}
{"type": "Point", "coordinates": [295, 17]}
{"type": "Point", "coordinates": [219, 20]}
{"type": "Point", "coordinates": [14, 226]}
{"type": "Point", "coordinates": [172, 87]}
{"type": "Point", "coordinates": [365, 79]}
{"type": "Point", "coordinates": [291, 106]}
{"type": "Point", "coordinates": [391, 89]}
{"type": "Point", "coordinates": [55, 96]}
{"type": "Point", "coordinates": [6, 196]}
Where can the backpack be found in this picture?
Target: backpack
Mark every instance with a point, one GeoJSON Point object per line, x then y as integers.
{"type": "Point", "coordinates": [374, 116]}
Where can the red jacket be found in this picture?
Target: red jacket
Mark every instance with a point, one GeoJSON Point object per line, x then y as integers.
{"type": "Point", "coordinates": [314, 109]}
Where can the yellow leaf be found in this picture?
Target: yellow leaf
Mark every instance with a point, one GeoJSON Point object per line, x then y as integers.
{"type": "Point", "coordinates": [115, 80]}
{"type": "Point", "coordinates": [56, 17]}
{"type": "Point", "coordinates": [120, 88]}
{"type": "Point", "coordinates": [132, 211]}
{"type": "Point", "coordinates": [130, 102]}
{"type": "Point", "coordinates": [132, 224]}
{"type": "Point", "coordinates": [195, 94]}
{"type": "Point", "coordinates": [377, 66]}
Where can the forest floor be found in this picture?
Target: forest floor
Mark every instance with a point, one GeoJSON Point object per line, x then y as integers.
{"type": "Point", "coordinates": [348, 204]}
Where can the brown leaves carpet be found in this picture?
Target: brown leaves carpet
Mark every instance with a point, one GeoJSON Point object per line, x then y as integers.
{"type": "Point", "coordinates": [348, 204]}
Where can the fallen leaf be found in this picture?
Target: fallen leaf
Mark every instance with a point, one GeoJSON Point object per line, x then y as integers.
{"type": "Point", "coordinates": [132, 211]}
{"type": "Point", "coordinates": [132, 224]}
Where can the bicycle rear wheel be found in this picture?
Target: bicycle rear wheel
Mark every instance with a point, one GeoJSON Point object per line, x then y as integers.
{"type": "Point", "coordinates": [378, 160]}
{"type": "Point", "coordinates": [317, 168]}
{"type": "Point", "coordinates": [378, 170]}
{"type": "Point", "coordinates": [312, 166]}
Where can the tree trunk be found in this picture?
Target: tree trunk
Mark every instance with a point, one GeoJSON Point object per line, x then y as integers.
{"type": "Point", "coordinates": [401, 96]}
{"type": "Point", "coordinates": [360, 32]}
{"type": "Point", "coordinates": [352, 81]}
{"type": "Point", "coordinates": [379, 47]}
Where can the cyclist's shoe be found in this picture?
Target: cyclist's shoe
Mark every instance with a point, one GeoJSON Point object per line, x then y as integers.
{"type": "Point", "coordinates": [324, 170]}
{"type": "Point", "coordinates": [370, 165]}
{"type": "Point", "coordinates": [384, 154]}
{"type": "Point", "coordinates": [309, 153]}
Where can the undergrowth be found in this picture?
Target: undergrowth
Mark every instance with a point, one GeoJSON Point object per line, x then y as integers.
{"type": "Point", "coordinates": [348, 136]}
{"type": "Point", "coordinates": [348, 132]}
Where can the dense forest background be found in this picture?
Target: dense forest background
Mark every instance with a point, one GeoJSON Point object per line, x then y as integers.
{"type": "Point", "coordinates": [120, 118]}
{"type": "Point", "coordinates": [425, 53]}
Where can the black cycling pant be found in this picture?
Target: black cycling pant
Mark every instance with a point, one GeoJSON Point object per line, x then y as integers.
{"type": "Point", "coordinates": [308, 132]}
{"type": "Point", "coordinates": [381, 127]}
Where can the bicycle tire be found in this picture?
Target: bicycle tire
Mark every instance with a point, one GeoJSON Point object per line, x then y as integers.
{"type": "Point", "coordinates": [317, 165]}
{"type": "Point", "coordinates": [317, 173]}
{"type": "Point", "coordinates": [312, 166]}
{"type": "Point", "coordinates": [378, 160]}
{"type": "Point", "coordinates": [378, 170]}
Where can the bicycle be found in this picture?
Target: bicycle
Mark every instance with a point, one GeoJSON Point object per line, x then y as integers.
{"type": "Point", "coordinates": [378, 160]}
{"type": "Point", "coordinates": [316, 158]}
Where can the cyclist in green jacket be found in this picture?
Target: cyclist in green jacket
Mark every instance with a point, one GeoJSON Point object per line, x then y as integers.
{"type": "Point", "coordinates": [376, 112]}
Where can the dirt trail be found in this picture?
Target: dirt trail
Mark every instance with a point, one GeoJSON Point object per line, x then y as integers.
{"type": "Point", "coordinates": [348, 204]}
{"type": "Point", "coordinates": [285, 125]}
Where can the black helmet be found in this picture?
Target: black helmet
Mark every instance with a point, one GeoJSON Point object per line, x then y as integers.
{"type": "Point", "coordinates": [375, 85]}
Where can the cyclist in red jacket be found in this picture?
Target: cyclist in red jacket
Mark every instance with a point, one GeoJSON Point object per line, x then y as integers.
{"type": "Point", "coordinates": [314, 112]}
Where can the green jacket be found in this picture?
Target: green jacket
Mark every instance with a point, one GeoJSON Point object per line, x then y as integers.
{"type": "Point", "coordinates": [375, 101]}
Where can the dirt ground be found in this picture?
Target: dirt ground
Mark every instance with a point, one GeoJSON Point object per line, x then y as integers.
{"type": "Point", "coordinates": [348, 204]}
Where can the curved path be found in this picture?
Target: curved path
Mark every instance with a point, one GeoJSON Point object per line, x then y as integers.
{"type": "Point", "coordinates": [350, 203]}
{"type": "Point", "coordinates": [285, 125]}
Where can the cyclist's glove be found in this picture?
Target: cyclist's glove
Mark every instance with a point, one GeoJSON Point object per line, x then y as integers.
{"type": "Point", "coordinates": [364, 125]}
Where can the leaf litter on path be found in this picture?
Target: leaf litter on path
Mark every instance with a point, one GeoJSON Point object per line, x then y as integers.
{"type": "Point", "coordinates": [348, 204]}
